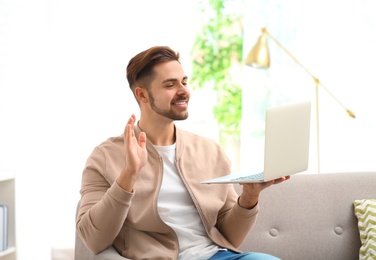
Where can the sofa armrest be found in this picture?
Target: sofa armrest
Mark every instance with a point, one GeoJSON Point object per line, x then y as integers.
{"type": "Point", "coordinates": [81, 252]}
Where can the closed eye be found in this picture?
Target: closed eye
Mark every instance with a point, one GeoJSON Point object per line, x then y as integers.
{"type": "Point", "coordinates": [171, 82]}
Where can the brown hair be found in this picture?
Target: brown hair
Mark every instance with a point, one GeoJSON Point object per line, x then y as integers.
{"type": "Point", "coordinates": [140, 67]}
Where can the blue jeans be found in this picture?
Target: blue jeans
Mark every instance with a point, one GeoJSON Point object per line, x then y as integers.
{"type": "Point", "coordinates": [230, 255]}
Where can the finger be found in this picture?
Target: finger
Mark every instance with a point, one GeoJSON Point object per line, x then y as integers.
{"type": "Point", "coordinates": [281, 179]}
{"type": "Point", "coordinates": [133, 117]}
{"type": "Point", "coordinates": [128, 130]}
{"type": "Point", "coordinates": [269, 183]}
{"type": "Point", "coordinates": [142, 140]}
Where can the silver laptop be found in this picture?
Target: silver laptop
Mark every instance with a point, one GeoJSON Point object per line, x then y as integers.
{"type": "Point", "coordinates": [287, 134]}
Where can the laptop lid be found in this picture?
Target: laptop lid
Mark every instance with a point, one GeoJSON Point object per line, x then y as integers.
{"type": "Point", "coordinates": [287, 134]}
{"type": "Point", "coordinates": [286, 147]}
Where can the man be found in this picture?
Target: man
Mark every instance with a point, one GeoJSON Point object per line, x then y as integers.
{"type": "Point", "coordinates": [141, 191]}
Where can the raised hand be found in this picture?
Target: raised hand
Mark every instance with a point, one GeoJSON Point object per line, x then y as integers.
{"type": "Point", "coordinates": [135, 155]}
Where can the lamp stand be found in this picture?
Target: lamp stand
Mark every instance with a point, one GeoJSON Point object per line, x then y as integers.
{"type": "Point", "coordinates": [317, 127]}
{"type": "Point", "coordinates": [259, 57]}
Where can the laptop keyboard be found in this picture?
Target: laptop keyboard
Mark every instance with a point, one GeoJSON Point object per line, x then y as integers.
{"type": "Point", "coordinates": [257, 176]}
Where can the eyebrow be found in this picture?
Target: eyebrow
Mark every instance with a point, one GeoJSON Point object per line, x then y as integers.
{"type": "Point", "coordinates": [173, 79]}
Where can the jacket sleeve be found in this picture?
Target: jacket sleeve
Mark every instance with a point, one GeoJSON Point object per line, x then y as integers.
{"type": "Point", "coordinates": [233, 221]}
{"type": "Point", "coordinates": [104, 206]}
{"type": "Point", "coordinates": [236, 223]}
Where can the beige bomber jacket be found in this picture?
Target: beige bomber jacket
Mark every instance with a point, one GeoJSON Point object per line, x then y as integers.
{"type": "Point", "coordinates": [130, 221]}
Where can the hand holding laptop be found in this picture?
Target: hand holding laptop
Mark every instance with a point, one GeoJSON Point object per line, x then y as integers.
{"type": "Point", "coordinates": [251, 191]}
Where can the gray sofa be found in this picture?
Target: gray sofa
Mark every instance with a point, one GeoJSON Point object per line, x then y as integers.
{"type": "Point", "coordinates": [308, 217]}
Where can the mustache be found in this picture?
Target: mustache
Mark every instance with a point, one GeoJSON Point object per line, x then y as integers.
{"type": "Point", "coordinates": [181, 98]}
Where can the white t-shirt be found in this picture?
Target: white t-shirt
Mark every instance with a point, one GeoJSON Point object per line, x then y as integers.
{"type": "Point", "coordinates": [177, 210]}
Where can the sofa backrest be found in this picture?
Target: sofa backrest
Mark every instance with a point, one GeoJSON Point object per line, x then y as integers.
{"type": "Point", "coordinates": [311, 216]}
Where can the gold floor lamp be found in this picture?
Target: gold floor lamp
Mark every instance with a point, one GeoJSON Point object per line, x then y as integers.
{"type": "Point", "coordinates": [259, 57]}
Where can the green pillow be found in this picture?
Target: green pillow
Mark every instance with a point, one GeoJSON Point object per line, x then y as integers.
{"type": "Point", "coordinates": [365, 211]}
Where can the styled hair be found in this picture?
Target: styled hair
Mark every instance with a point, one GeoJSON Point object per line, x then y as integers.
{"type": "Point", "coordinates": [140, 67]}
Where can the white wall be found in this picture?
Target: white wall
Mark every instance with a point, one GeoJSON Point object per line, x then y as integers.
{"type": "Point", "coordinates": [335, 41]}
{"type": "Point", "coordinates": [63, 90]}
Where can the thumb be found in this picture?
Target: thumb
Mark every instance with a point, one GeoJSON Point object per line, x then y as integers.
{"type": "Point", "coordinates": [142, 140]}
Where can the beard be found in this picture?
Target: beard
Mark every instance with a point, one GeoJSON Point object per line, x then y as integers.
{"type": "Point", "coordinates": [169, 113]}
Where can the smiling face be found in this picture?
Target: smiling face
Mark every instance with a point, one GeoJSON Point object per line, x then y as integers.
{"type": "Point", "coordinates": [168, 93]}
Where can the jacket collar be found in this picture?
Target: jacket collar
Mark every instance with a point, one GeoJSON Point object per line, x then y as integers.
{"type": "Point", "coordinates": [151, 149]}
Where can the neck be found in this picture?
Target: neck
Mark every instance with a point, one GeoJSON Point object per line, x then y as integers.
{"type": "Point", "coordinates": [158, 134]}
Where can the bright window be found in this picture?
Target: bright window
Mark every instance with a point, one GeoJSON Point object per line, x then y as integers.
{"type": "Point", "coordinates": [334, 40]}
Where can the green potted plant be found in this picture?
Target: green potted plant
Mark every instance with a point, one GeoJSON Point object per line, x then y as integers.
{"type": "Point", "coordinates": [217, 57]}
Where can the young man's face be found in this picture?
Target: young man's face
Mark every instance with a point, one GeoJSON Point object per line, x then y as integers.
{"type": "Point", "coordinates": [169, 93]}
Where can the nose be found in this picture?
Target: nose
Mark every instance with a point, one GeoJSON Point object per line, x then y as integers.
{"type": "Point", "coordinates": [183, 89]}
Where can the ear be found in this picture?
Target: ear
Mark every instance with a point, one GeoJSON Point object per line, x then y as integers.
{"type": "Point", "coordinates": [141, 94]}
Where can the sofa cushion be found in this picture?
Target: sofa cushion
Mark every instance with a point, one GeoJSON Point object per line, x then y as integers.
{"type": "Point", "coordinates": [311, 216]}
{"type": "Point", "coordinates": [365, 211]}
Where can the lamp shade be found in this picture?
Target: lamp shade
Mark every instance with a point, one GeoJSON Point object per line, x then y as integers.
{"type": "Point", "coordinates": [258, 57]}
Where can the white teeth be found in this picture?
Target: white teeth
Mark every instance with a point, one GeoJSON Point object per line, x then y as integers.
{"type": "Point", "coordinates": [180, 103]}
